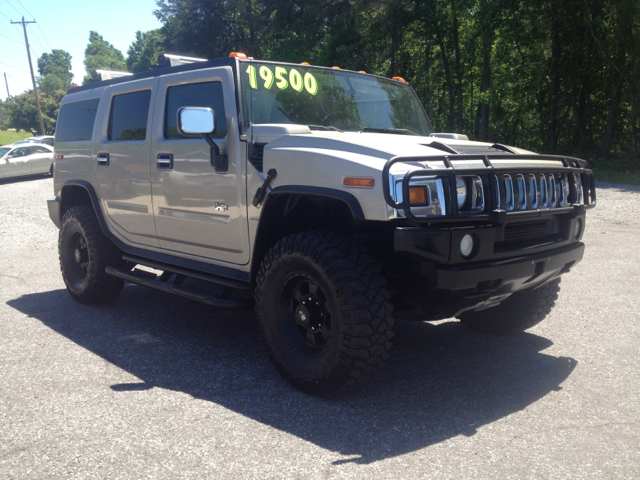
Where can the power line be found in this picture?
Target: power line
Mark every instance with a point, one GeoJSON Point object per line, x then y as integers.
{"type": "Point", "coordinates": [24, 8]}
{"type": "Point", "coordinates": [41, 32]}
{"type": "Point", "coordinates": [14, 7]}
{"type": "Point", "coordinates": [37, 40]}
{"type": "Point", "coordinates": [5, 15]}
{"type": "Point", "coordinates": [11, 66]}
{"type": "Point", "coordinates": [3, 35]}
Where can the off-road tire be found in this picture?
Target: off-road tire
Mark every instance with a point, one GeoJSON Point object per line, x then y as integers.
{"type": "Point", "coordinates": [347, 300]}
{"type": "Point", "coordinates": [84, 254]}
{"type": "Point", "coordinates": [519, 312]}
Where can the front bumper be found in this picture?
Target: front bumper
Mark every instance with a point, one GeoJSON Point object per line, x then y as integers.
{"type": "Point", "coordinates": [449, 284]}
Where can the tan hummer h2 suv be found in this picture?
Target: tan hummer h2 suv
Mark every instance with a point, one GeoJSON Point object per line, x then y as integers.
{"type": "Point", "coordinates": [321, 193]}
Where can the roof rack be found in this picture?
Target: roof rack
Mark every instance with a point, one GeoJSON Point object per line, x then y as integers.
{"type": "Point", "coordinates": [100, 75]}
{"type": "Point", "coordinates": [168, 60]}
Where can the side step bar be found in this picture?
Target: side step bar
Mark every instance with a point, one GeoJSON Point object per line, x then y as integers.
{"type": "Point", "coordinates": [148, 279]}
{"type": "Point", "coordinates": [226, 282]}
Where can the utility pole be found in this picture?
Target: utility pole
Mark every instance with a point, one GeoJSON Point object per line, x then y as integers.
{"type": "Point", "coordinates": [7, 84]}
{"type": "Point", "coordinates": [33, 79]}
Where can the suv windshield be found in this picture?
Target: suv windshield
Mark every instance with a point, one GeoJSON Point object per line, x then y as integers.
{"type": "Point", "coordinates": [3, 151]}
{"type": "Point", "coordinates": [329, 99]}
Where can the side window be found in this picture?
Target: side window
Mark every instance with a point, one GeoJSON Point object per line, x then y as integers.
{"type": "Point", "coordinates": [20, 152]}
{"type": "Point", "coordinates": [207, 94]}
{"type": "Point", "coordinates": [129, 114]}
{"type": "Point", "coordinates": [40, 150]}
{"type": "Point", "coordinates": [75, 120]}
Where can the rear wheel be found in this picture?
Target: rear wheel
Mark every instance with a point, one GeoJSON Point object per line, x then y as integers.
{"type": "Point", "coordinates": [84, 254]}
{"type": "Point", "coordinates": [520, 311]}
{"type": "Point", "coordinates": [324, 309]}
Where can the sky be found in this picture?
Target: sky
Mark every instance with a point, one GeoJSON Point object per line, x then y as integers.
{"type": "Point", "coordinates": [65, 25]}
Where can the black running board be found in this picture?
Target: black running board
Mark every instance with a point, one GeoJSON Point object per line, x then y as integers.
{"type": "Point", "coordinates": [148, 279]}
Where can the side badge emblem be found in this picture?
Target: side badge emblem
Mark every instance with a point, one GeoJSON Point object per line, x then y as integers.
{"type": "Point", "coordinates": [222, 207]}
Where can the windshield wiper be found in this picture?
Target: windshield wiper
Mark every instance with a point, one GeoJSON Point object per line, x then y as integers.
{"type": "Point", "coordinates": [325, 128]}
{"type": "Point", "coordinates": [401, 131]}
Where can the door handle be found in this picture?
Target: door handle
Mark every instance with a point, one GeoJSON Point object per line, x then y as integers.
{"type": "Point", "coordinates": [103, 159]}
{"type": "Point", "coordinates": [164, 161]}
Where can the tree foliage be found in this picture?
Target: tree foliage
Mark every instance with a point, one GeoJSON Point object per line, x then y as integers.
{"type": "Point", "coordinates": [546, 75]}
{"type": "Point", "coordinates": [101, 55]}
{"type": "Point", "coordinates": [57, 63]}
{"type": "Point", "coordinates": [23, 114]}
{"type": "Point", "coordinates": [143, 52]}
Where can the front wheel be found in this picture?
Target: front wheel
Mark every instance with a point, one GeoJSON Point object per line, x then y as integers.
{"type": "Point", "coordinates": [522, 310]}
{"type": "Point", "coordinates": [324, 308]}
{"type": "Point", "coordinates": [84, 254]}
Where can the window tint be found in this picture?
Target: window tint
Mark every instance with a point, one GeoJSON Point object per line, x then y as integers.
{"type": "Point", "coordinates": [20, 152]}
{"type": "Point", "coordinates": [75, 120]}
{"type": "Point", "coordinates": [207, 94]}
{"type": "Point", "coordinates": [129, 113]}
{"type": "Point", "coordinates": [38, 150]}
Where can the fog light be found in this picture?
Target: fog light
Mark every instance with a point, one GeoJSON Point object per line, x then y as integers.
{"type": "Point", "coordinates": [578, 228]}
{"type": "Point", "coordinates": [466, 245]}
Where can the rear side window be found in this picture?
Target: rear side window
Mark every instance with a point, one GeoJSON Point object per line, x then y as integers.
{"type": "Point", "coordinates": [129, 114]}
{"type": "Point", "coordinates": [75, 120]}
{"type": "Point", "coordinates": [208, 94]}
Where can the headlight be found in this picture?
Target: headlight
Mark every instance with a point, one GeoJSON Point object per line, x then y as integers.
{"type": "Point", "coordinates": [461, 187]}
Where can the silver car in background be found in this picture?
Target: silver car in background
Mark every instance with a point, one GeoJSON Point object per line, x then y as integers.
{"type": "Point", "coordinates": [21, 159]}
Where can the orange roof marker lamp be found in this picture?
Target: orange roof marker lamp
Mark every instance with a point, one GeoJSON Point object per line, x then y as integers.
{"type": "Point", "coordinates": [400, 79]}
{"type": "Point", "coordinates": [238, 55]}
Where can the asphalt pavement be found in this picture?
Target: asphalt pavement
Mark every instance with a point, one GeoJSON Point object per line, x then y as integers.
{"type": "Point", "coordinates": [153, 386]}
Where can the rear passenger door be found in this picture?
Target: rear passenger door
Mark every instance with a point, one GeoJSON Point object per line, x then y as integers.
{"type": "Point", "coordinates": [40, 159]}
{"type": "Point", "coordinates": [198, 210]}
{"type": "Point", "coordinates": [121, 155]}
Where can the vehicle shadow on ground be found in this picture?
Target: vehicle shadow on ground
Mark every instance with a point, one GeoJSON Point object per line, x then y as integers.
{"type": "Point", "coordinates": [442, 380]}
{"type": "Point", "coordinates": [24, 178]}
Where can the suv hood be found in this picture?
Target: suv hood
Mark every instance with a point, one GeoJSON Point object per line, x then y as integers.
{"type": "Point", "coordinates": [377, 145]}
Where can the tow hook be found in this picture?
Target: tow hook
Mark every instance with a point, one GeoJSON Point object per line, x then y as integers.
{"type": "Point", "coordinates": [262, 191]}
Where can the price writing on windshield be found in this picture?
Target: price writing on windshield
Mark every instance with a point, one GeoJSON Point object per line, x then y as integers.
{"type": "Point", "coordinates": [282, 79]}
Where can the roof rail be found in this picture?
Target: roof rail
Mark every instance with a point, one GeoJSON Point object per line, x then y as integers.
{"type": "Point", "coordinates": [99, 75]}
{"type": "Point", "coordinates": [168, 60]}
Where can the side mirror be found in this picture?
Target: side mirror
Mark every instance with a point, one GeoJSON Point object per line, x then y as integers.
{"type": "Point", "coordinates": [196, 121]}
{"type": "Point", "coordinates": [202, 121]}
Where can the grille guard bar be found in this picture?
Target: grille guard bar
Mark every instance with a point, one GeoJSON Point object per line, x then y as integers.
{"type": "Point", "coordinates": [490, 213]}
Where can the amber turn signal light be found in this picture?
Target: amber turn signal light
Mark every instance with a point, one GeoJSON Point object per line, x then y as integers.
{"type": "Point", "coordinates": [358, 182]}
{"type": "Point", "coordinates": [418, 196]}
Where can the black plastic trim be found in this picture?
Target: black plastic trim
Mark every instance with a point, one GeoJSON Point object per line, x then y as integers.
{"type": "Point", "coordinates": [94, 201]}
{"type": "Point", "coordinates": [346, 197]}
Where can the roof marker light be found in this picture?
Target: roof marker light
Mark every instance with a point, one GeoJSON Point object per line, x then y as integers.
{"type": "Point", "coordinates": [338, 68]}
{"type": "Point", "coordinates": [238, 55]}
{"type": "Point", "coordinates": [361, 71]}
{"type": "Point", "coordinates": [400, 79]}
{"type": "Point", "coordinates": [304, 63]}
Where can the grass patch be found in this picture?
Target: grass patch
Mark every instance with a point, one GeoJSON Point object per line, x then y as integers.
{"type": "Point", "coordinates": [9, 136]}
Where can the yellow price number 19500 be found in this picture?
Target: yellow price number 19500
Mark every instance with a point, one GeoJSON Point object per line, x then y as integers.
{"type": "Point", "coordinates": [294, 77]}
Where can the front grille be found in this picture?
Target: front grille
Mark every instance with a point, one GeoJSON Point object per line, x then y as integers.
{"type": "Point", "coordinates": [524, 233]}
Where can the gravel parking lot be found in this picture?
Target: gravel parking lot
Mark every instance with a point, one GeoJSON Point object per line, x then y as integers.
{"type": "Point", "coordinates": [158, 387]}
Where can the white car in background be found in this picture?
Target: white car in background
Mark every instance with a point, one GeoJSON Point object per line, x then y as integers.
{"type": "Point", "coordinates": [30, 159]}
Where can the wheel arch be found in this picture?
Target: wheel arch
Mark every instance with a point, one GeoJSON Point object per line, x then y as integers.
{"type": "Point", "coordinates": [293, 209]}
{"type": "Point", "coordinates": [81, 192]}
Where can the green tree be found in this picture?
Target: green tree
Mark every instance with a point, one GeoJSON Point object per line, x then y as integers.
{"type": "Point", "coordinates": [101, 55]}
{"type": "Point", "coordinates": [58, 63]}
{"type": "Point", "coordinates": [50, 84]}
{"type": "Point", "coordinates": [143, 52]}
{"type": "Point", "coordinates": [23, 114]}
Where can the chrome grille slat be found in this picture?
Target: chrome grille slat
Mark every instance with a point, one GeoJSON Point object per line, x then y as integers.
{"type": "Point", "coordinates": [533, 191]}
